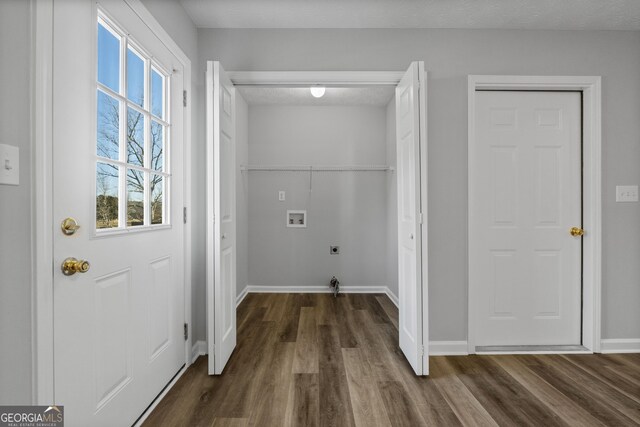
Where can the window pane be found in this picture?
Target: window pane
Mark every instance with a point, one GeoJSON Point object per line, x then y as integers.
{"type": "Point", "coordinates": [108, 59]}
{"type": "Point", "coordinates": [135, 198]}
{"type": "Point", "coordinates": [157, 94]}
{"type": "Point", "coordinates": [157, 199]}
{"type": "Point", "coordinates": [106, 196]}
{"type": "Point", "coordinates": [135, 137]}
{"type": "Point", "coordinates": [108, 136]}
{"type": "Point", "coordinates": [135, 78]}
{"type": "Point", "coordinates": [157, 146]}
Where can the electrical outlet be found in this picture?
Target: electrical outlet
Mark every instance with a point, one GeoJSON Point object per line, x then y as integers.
{"type": "Point", "coordinates": [281, 195]}
{"type": "Point", "coordinates": [626, 193]}
{"type": "Point", "coordinates": [334, 250]}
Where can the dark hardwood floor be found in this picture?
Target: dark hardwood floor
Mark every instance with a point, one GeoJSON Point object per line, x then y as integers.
{"type": "Point", "coordinates": [312, 360]}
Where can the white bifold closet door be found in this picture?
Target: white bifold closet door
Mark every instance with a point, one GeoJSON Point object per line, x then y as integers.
{"type": "Point", "coordinates": [221, 217]}
{"type": "Point", "coordinates": [412, 264]}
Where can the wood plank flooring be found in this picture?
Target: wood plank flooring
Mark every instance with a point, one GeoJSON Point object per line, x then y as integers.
{"type": "Point", "coordinates": [316, 360]}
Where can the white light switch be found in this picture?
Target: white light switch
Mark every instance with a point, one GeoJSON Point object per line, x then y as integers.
{"type": "Point", "coordinates": [626, 193]}
{"type": "Point", "coordinates": [281, 196]}
{"type": "Point", "coordinates": [9, 165]}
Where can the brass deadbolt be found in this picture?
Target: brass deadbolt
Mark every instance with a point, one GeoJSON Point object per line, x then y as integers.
{"type": "Point", "coordinates": [69, 226]}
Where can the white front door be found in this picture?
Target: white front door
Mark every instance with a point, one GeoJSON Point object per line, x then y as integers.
{"type": "Point", "coordinates": [221, 217]}
{"type": "Point", "coordinates": [411, 150]}
{"type": "Point", "coordinates": [525, 196]}
{"type": "Point", "coordinates": [117, 170]}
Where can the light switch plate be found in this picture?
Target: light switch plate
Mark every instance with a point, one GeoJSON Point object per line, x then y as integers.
{"type": "Point", "coordinates": [626, 193]}
{"type": "Point", "coordinates": [281, 195]}
{"type": "Point", "coordinates": [9, 165]}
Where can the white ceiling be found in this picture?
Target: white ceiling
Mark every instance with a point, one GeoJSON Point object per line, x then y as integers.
{"type": "Point", "coordinates": [377, 96]}
{"type": "Point", "coordinates": [498, 14]}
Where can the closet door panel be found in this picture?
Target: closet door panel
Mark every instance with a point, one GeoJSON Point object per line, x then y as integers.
{"type": "Point", "coordinates": [221, 217]}
{"type": "Point", "coordinates": [410, 134]}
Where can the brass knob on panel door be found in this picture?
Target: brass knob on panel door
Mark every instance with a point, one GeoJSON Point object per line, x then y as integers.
{"type": "Point", "coordinates": [576, 231]}
{"type": "Point", "coordinates": [71, 266]}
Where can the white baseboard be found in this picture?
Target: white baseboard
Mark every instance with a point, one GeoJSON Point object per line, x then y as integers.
{"type": "Point", "coordinates": [620, 345]}
{"type": "Point", "coordinates": [199, 349]}
{"type": "Point", "coordinates": [242, 295]}
{"type": "Point", "coordinates": [448, 348]}
{"type": "Point", "coordinates": [316, 289]}
{"type": "Point", "coordinates": [393, 297]}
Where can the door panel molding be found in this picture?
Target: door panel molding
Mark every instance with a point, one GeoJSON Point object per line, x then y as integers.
{"type": "Point", "coordinates": [42, 189]}
{"type": "Point", "coordinates": [590, 86]}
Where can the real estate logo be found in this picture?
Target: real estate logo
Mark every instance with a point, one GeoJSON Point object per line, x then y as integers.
{"type": "Point", "coordinates": [31, 416]}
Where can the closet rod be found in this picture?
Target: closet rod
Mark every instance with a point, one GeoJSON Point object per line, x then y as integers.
{"type": "Point", "coordinates": [361, 168]}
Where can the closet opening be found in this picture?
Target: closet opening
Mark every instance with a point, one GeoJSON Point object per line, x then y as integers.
{"type": "Point", "coordinates": [303, 188]}
{"type": "Point", "coordinates": [312, 174]}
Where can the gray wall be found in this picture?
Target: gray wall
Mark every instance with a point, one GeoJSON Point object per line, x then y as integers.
{"type": "Point", "coordinates": [177, 23]}
{"type": "Point", "coordinates": [451, 55]}
{"type": "Point", "coordinates": [15, 205]}
{"type": "Point", "coordinates": [343, 208]}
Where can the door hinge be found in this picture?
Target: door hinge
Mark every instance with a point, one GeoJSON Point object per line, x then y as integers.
{"type": "Point", "coordinates": [184, 215]}
{"type": "Point", "coordinates": [186, 331]}
{"type": "Point", "coordinates": [421, 350]}
{"type": "Point", "coordinates": [184, 98]}
{"type": "Point", "coordinates": [420, 218]}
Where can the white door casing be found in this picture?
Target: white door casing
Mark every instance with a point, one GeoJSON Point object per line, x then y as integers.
{"type": "Point", "coordinates": [221, 217]}
{"type": "Point", "coordinates": [525, 170]}
{"type": "Point", "coordinates": [411, 150]}
{"type": "Point", "coordinates": [117, 328]}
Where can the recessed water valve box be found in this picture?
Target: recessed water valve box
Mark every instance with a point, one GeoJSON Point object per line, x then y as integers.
{"type": "Point", "coordinates": [296, 219]}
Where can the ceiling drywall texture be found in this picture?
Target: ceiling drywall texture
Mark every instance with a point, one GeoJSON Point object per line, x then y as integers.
{"type": "Point", "coordinates": [487, 14]}
{"type": "Point", "coordinates": [377, 96]}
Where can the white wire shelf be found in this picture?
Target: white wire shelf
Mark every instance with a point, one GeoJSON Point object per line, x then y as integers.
{"type": "Point", "coordinates": [309, 168]}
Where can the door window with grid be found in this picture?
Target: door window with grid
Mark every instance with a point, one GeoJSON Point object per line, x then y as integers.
{"type": "Point", "coordinates": [132, 134]}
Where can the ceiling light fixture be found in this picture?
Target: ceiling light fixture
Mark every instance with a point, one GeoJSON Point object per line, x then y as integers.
{"type": "Point", "coordinates": [317, 91]}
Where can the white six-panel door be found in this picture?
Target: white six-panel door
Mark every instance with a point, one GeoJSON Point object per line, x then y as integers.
{"type": "Point", "coordinates": [525, 196]}
{"type": "Point", "coordinates": [410, 134]}
{"type": "Point", "coordinates": [118, 336]}
{"type": "Point", "coordinates": [221, 217]}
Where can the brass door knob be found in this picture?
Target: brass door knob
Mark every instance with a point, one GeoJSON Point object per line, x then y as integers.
{"type": "Point", "coordinates": [71, 266]}
{"type": "Point", "coordinates": [69, 226]}
{"type": "Point", "coordinates": [576, 231]}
